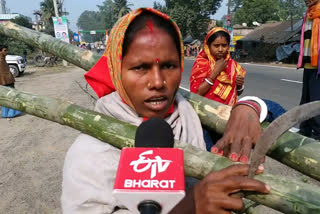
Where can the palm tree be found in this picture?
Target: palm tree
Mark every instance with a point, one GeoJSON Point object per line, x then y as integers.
{"type": "Point", "coordinates": [47, 12]}
{"type": "Point", "coordinates": [121, 7]}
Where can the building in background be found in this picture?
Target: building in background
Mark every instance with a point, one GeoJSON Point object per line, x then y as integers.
{"type": "Point", "coordinates": [8, 17]}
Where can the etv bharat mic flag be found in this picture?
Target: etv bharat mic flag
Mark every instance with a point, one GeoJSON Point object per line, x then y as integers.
{"type": "Point", "coordinates": [155, 174]}
{"type": "Point", "coordinates": [61, 28]}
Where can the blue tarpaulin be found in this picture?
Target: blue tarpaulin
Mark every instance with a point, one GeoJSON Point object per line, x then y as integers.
{"type": "Point", "coordinates": [284, 51]}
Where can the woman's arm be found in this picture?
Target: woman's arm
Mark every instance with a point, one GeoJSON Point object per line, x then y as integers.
{"type": "Point", "coordinates": [242, 131]}
{"type": "Point", "coordinates": [206, 85]}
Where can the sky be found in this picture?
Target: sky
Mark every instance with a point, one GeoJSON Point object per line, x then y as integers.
{"type": "Point", "coordinates": [76, 7]}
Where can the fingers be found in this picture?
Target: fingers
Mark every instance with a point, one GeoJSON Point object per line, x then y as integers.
{"type": "Point", "coordinates": [246, 149]}
{"type": "Point", "coordinates": [234, 170]}
{"type": "Point", "coordinates": [219, 146]}
{"type": "Point", "coordinates": [235, 151]}
{"type": "Point", "coordinates": [238, 183]}
{"type": "Point", "coordinates": [229, 203]}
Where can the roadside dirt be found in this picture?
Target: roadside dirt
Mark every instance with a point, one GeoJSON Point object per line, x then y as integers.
{"type": "Point", "coordinates": [32, 150]}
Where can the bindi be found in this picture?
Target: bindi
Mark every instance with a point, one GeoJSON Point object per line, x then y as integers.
{"type": "Point", "coordinates": [157, 61]}
{"type": "Point", "coordinates": [150, 25]}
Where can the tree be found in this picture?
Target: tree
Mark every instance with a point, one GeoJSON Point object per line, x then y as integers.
{"type": "Point", "coordinates": [17, 47]}
{"type": "Point", "coordinates": [247, 11]}
{"type": "Point", "coordinates": [121, 8]}
{"type": "Point", "coordinates": [107, 13]}
{"type": "Point", "coordinates": [47, 12]}
{"type": "Point", "coordinates": [296, 8]}
{"type": "Point", "coordinates": [235, 5]}
{"type": "Point", "coordinates": [191, 16]}
{"type": "Point", "coordinates": [91, 20]}
{"type": "Point", "coordinates": [259, 11]}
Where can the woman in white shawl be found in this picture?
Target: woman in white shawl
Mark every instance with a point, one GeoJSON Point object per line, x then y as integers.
{"type": "Point", "coordinates": [137, 78]}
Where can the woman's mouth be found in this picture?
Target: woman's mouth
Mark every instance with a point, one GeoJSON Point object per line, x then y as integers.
{"type": "Point", "coordinates": [156, 103]}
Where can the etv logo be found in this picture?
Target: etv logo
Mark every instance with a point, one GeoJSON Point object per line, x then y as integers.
{"type": "Point", "coordinates": [155, 164]}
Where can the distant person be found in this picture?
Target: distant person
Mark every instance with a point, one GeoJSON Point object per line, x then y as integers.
{"type": "Point", "coordinates": [6, 79]}
{"type": "Point", "coordinates": [215, 75]}
{"type": "Point", "coordinates": [309, 59]}
{"type": "Point", "coordinates": [25, 53]}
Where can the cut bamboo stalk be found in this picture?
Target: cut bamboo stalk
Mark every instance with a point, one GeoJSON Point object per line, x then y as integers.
{"type": "Point", "coordinates": [287, 195]}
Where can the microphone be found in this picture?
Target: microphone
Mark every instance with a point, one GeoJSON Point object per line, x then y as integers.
{"type": "Point", "coordinates": [154, 132]}
{"type": "Point", "coordinates": [150, 177]}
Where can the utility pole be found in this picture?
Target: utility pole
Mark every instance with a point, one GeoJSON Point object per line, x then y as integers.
{"type": "Point", "coordinates": [37, 14]}
{"type": "Point", "coordinates": [291, 12]}
{"type": "Point", "coordinates": [55, 8]}
{"type": "Point", "coordinates": [64, 62]}
{"type": "Point", "coordinates": [229, 2]}
{"type": "Point", "coordinates": [3, 7]}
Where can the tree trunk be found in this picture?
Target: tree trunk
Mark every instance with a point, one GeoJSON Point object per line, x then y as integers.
{"type": "Point", "coordinates": [292, 149]}
{"type": "Point", "coordinates": [287, 196]}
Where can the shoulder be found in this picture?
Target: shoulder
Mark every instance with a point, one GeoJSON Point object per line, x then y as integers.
{"type": "Point", "coordinates": [87, 148]}
{"type": "Point", "coordinates": [88, 176]}
{"type": "Point", "coordinates": [104, 103]}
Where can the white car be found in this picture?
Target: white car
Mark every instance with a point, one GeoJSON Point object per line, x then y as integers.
{"type": "Point", "coordinates": [17, 64]}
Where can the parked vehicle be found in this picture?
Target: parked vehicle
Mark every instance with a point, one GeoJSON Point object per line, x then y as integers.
{"type": "Point", "coordinates": [17, 64]}
{"type": "Point", "coordinates": [42, 60]}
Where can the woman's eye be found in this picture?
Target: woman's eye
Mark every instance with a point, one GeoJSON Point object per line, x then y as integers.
{"type": "Point", "coordinates": [168, 66]}
{"type": "Point", "coordinates": [140, 68]}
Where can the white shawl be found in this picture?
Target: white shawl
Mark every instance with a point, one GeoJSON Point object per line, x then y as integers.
{"type": "Point", "coordinates": [90, 165]}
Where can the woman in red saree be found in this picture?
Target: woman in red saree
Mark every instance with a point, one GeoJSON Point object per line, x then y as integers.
{"type": "Point", "coordinates": [215, 75]}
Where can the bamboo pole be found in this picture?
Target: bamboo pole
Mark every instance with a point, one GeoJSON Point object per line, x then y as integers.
{"type": "Point", "coordinates": [82, 58]}
{"type": "Point", "coordinates": [294, 150]}
{"type": "Point", "coordinates": [287, 196]}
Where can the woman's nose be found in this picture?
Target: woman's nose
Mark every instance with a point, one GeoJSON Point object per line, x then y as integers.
{"type": "Point", "coordinates": [156, 78]}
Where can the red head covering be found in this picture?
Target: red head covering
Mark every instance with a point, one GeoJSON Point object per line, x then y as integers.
{"type": "Point", "coordinates": [224, 86]}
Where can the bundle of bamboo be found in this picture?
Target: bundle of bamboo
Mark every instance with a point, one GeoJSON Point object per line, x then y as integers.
{"type": "Point", "coordinates": [294, 150]}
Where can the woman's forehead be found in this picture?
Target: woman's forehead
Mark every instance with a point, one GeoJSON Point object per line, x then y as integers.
{"type": "Point", "coordinates": [152, 40]}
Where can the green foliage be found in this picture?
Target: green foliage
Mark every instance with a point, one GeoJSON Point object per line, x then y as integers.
{"type": "Point", "coordinates": [121, 8]}
{"type": "Point", "coordinates": [90, 20]}
{"type": "Point", "coordinates": [295, 7]}
{"type": "Point", "coordinates": [107, 14]}
{"type": "Point", "coordinates": [192, 16]}
{"type": "Point", "coordinates": [47, 12]}
{"type": "Point", "coordinates": [262, 11]}
{"type": "Point", "coordinates": [259, 11]}
{"type": "Point", "coordinates": [16, 47]}
{"type": "Point", "coordinates": [235, 5]}
{"type": "Point", "coordinates": [106, 17]}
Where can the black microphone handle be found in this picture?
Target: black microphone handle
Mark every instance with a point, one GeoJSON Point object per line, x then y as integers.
{"type": "Point", "coordinates": [149, 207]}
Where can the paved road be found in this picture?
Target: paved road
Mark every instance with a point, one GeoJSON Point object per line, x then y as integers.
{"type": "Point", "coordinates": [279, 84]}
